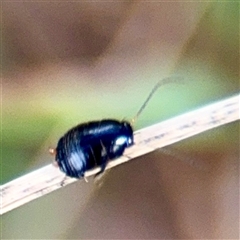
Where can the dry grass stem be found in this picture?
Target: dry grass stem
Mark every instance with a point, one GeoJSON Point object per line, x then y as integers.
{"type": "Point", "coordinates": [47, 179]}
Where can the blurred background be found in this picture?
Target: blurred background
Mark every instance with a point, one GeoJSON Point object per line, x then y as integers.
{"type": "Point", "coordinates": [64, 63]}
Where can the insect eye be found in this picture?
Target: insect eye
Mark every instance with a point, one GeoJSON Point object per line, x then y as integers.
{"type": "Point", "coordinates": [121, 140]}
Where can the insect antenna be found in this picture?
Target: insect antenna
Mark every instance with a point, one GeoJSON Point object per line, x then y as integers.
{"type": "Point", "coordinates": [158, 84]}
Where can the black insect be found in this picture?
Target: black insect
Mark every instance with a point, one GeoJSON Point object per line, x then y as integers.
{"type": "Point", "coordinates": [93, 144]}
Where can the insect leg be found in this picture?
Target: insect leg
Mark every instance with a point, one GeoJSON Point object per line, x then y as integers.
{"type": "Point", "coordinates": [62, 183]}
{"type": "Point", "coordinates": [104, 158]}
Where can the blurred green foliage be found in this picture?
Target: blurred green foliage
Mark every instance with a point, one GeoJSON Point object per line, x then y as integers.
{"type": "Point", "coordinates": [209, 64]}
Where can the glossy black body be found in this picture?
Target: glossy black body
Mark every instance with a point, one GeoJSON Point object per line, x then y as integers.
{"type": "Point", "coordinates": [92, 144]}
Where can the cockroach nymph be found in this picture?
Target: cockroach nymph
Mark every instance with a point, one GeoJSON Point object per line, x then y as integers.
{"type": "Point", "coordinates": [94, 143]}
